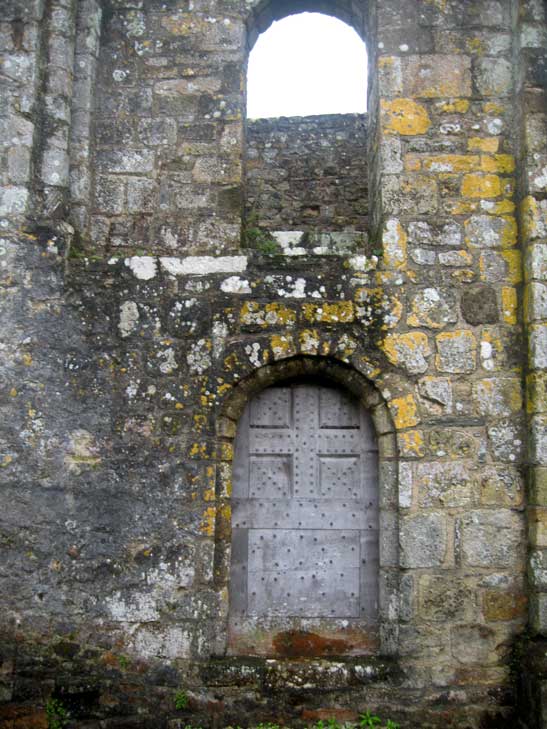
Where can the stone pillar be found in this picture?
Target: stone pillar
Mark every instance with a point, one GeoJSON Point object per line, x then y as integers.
{"type": "Point", "coordinates": [88, 23]}
{"type": "Point", "coordinates": [442, 201]}
{"type": "Point", "coordinates": [21, 35]}
{"type": "Point", "coordinates": [533, 104]}
{"type": "Point", "coordinates": [168, 131]}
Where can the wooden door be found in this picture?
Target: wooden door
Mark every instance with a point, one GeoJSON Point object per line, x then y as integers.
{"type": "Point", "coordinates": [305, 512]}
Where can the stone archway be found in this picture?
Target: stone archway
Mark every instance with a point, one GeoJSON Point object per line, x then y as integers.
{"type": "Point", "coordinates": [264, 12]}
{"type": "Point", "coordinates": [279, 632]}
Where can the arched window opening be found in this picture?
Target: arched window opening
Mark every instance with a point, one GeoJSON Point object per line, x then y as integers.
{"type": "Point", "coordinates": [307, 64]}
{"type": "Point", "coordinates": [306, 174]}
{"type": "Point", "coordinates": [304, 569]}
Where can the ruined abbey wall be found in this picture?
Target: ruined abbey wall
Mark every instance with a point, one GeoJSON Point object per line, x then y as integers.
{"type": "Point", "coordinates": [308, 174]}
{"type": "Point", "coordinates": [138, 319]}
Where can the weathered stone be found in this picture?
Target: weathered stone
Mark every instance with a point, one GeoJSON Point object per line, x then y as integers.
{"type": "Point", "coordinates": [473, 644]}
{"type": "Point", "coordinates": [410, 350]}
{"type": "Point", "coordinates": [432, 308]}
{"type": "Point", "coordinates": [423, 541]}
{"type": "Point", "coordinates": [491, 538]}
{"type": "Point", "coordinates": [445, 484]}
{"type": "Point", "coordinates": [436, 76]}
{"type": "Point", "coordinates": [443, 598]}
{"type": "Point", "coordinates": [479, 305]}
{"type": "Point", "coordinates": [456, 351]}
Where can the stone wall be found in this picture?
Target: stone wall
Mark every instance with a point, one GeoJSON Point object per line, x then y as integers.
{"type": "Point", "coordinates": [307, 173]}
{"type": "Point", "coordinates": [135, 328]}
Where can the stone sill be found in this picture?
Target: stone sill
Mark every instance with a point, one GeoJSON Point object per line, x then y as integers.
{"type": "Point", "coordinates": [300, 674]}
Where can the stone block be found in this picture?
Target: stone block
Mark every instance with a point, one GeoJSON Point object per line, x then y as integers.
{"type": "Point", "coordinates": [444, 598]}
{"type": "Point", "coordinates": [410, 351]}
{"type": "Point", "coordinates": [432, 308]}
{"type": "Point", "coordinates": [410, 195]}
{"type": "Point", "coordinates": [19, 164]}
{"type": "Point", "coordinates": [538, 612]}
{"type": "Point", "coordinates": [537, 569]}
{"type": "Point", "coordinates": [479, 305]}
{"type": "Point", "coordinates": [442, 484]}
{"type": "Point", "coordinates": [506, 439]}
{"type": "Point", "coordinates": [423, 540]}
{"type": "Point", "coordinates": [491, 538]}
{"type": "Point", "coordinates": [110, 195]}
{"type": "Point", "coordinates": [132, 161]}
{"type": "Point", "coordinates": [503, 606]}
{"type": "Point", "coordinates": [142, 195]}
{"type": "Point", "coordinates": [535, 261]}
{"type": "Point", "coordinates": [498, 397]}
{"type": "Point", "coordinates": [13, 200]}
{"type": "Point", "coordinates": [474, 644]}
{"type": "Point", "coordinates": [535, 301]}
{"type": "Point", "coordinates": [455, 259]}
{"type": "Point", "coordinates": [456, 351]}
{"type": "Point", "coordinates": [489, 231]}
{"type": "Point", "coordinates": [534, 225]}
{"type": "Point", "coordinates": [538, 439]}
{"type": "Point", "coordinates": [537, 346]}
{"type": "Point", "coordinates": [436, 395]}
{"type": "Point", "coordinates": [493, 76]}
{"type": "Point", "coordinates": [536, 392]}
{"type": "Point", "coordinates": [405, 117]}
{"type": "Point", "coordinates": [55, 166]}
{"type": "Point", "coordinates": [500, 486]}
{"type": "Point", "coordinates": [437, 76]}
{"type": "Point", "coordinates": [481, 186]}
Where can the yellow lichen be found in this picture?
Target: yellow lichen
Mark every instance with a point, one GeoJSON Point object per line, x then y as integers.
{"type": "Point", "coordinates": [394, 240]}
{"type": "Point", "coordinates": [483, 144]}
{"type": "Point", "coordinates": [405, 117]}
{"type": "Point", "coordinates": [483, 186]}
{"type": "Point", "coordinates": [457, 106]}
{"type": "Point", "coordinates": [329, 313]}
{"type": "Point", "coordinates": [309, 340]}
{"type": "Point", "coordinates": [509, 303]}
{"type": "Point", "coordinates": [411, 444]}
{"type": "Point", "coordinates": [404, 412]}
{"type": "Point", "coordinates": [514, 265]}
{"type": "Point", "coordinates": [451, 163]}
{"type": "Point", "coordinates": [281, 346]}
{"type": "Point", "coordinates": [500, 163]}
{"type": "Point", "coordinates": [493, 107]}
{"type": "Point", "coordinates": [208, 519]}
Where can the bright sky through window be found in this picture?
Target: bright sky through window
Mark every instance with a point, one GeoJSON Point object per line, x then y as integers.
{"type": "Point", "coordinates": [307, 64]}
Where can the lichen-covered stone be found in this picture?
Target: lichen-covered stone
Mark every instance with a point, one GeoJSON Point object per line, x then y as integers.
{"type": "Point", "coordinates": [456, 351]}
{"type": "Point", "coordinates": [423, 541]}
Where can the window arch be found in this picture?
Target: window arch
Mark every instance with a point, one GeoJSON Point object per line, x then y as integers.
{"type": "Point", "coordinates": [306, 178]}
{"type": "Point", "coordinates": [265, 12]}
{"type": "Point", "coordinates": [307, 64]}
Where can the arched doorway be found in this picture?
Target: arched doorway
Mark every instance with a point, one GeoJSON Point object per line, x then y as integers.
{"type": "Point", "coordinates": [304, 569]}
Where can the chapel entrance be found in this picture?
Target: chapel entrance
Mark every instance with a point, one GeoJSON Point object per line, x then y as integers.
{"type": "Point", "coordinates": [304, 521]}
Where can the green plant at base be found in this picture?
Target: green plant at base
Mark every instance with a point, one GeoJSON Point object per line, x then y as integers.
{"type": "Point", "coordinates": [255, 237]}
{"type": "Point", "coordinates": [369, 721]}
{"type": "Point", "coordinates": [181, 700]}
{"type": "Point", "coordinates": [392, 725]}
{"type": "Point", "coordinates": [123, 662]}
{"type": "Point", "coordinates": [57, 715]}
{"type": "Point", "coordinates": [268, 725]}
